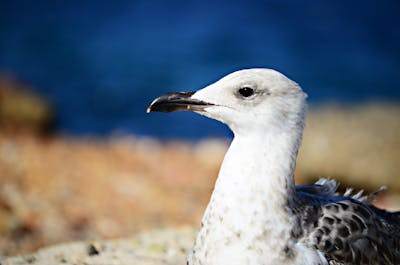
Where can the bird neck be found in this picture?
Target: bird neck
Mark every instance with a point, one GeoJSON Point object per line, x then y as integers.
{"type": "Point", "coordinates": [262, 163]}
{"type": "Point", "coordinates": [250, 202]}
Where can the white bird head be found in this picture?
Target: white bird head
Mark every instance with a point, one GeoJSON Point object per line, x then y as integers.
{"type": "Point", "coordinates": [246, 100]}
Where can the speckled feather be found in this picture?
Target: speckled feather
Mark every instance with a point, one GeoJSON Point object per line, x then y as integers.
{"type": "Point", "coordinates": [346, 230]}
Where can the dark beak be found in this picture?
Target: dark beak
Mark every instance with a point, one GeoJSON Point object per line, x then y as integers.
{"type": "Point", "coordinates": [177, 101]}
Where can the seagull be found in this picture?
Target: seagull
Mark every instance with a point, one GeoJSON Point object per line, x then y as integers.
{"type": "Point", "coordinates": [256, 214]}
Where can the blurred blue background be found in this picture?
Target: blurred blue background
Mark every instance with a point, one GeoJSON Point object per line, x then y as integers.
{"type": "Point", "coordinates": [102, 63]}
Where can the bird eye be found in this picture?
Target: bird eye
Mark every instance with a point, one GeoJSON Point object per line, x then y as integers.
{"type": "Point", "coordinates": [246, 91]}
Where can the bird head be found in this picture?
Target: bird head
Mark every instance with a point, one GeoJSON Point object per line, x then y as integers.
{"type": "Point", "coordinates": [246, 100]}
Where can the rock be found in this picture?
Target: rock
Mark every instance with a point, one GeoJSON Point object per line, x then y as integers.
{"type": "Point", "coordinates": [61, 189]}
{"type": "Point", "coordinates": [155, 247]}
{"type": "Point", "coordinates": [22, 109]}
{"type": "Point", "coordinates": [358, 145]}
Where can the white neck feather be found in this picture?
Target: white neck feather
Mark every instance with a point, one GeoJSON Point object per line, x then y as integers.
{"type": "Point", "coordinates": [248, 211]}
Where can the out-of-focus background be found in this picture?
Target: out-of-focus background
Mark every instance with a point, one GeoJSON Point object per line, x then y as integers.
{"type": "Point", "coordinates": [80, 158]}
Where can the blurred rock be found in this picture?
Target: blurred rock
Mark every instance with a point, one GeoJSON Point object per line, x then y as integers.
{"type": "Point", "coordinates": [157, 247]}
{"type": "Point", "coordinates": [60, 189]}
{"type": "Point", "coordinates": [22, 109]}
{"type": "Point", "coordinates": [358, 145]}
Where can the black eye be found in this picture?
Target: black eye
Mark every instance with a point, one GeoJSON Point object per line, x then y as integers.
{"type": "Point", "coordinates": [246, 91]}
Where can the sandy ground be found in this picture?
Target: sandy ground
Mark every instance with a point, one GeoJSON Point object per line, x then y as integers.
{"type": "Point", "coordinates": [61, 189]}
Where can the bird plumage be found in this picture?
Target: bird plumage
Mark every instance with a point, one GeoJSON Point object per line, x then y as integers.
{"type": "Point", "coordinates": [347, 229]}
{"type": "Point", "coordinates": [256, 215]}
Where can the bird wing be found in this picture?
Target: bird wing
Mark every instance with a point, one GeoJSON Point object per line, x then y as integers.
{"type": "Point", "coordinates": [323, 187]}
{"type": "Point", "coordinates": [346, 230]}
{"type": "Point", "coordinates": [328, 188]}
{"type": "Point", "coordinates": [350, 232]}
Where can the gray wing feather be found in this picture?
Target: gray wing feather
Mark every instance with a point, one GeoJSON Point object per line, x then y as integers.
{"type": "Point", "coordinates": [348, 230]}
{"type": "Point", "coordinates": [353, 233]}
{"type": "Point", "coordinates": [328, 187]}
{"type": "Point", "coordinates": [323, 187]}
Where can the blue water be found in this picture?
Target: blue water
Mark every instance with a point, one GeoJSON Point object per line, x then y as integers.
{"type": "Point", "coordinates": [102, 63]}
